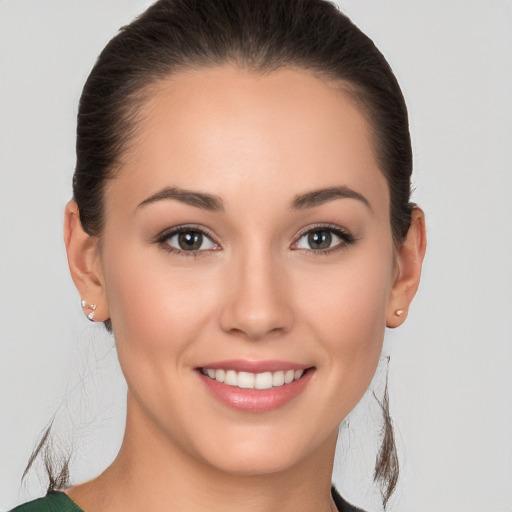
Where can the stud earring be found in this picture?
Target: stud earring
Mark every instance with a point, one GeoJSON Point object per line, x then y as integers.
{"type": "Point", "coordinates": [92, 307]}
{"type": "Point", "coordinates": [399, 312]}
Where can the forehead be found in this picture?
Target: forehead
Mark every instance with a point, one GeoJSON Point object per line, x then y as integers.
{"type": "Point", "coordinates": [224, 130]}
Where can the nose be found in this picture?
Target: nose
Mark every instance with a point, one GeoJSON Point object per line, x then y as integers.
{"type": "Point", "coordinates": [257, 304]}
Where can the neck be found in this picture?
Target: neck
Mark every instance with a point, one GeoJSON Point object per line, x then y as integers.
{"type": "Point", "coordinates": [153, 473]}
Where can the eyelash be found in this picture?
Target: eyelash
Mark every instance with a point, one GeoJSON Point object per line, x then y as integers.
{"type": "Point", "coordinates": [346, 237]}
{"type": "Point", "coordinates": [168, 233]}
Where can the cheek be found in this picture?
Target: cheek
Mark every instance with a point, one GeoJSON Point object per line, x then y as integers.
{"type": "Point", "coordinates": [347, 310]}
{"type": "Point", "coordinates": [157, 321]}
{"type": "Point", "coordinates": [154, 307]}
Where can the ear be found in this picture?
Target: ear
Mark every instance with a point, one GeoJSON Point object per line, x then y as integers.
{"type": "Point", "coordinates": [409, 259]}
{"type": "Point", "coordinates": [85, 264]}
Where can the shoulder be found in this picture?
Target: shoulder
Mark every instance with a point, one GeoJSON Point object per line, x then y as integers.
{"type": "Point", "coordinates": [341, 504]}
{"type": "Point", "coordinates": [53, 502]}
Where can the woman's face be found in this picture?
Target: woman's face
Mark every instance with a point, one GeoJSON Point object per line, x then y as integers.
{"type": "Point", "coordinates": [247, 237]}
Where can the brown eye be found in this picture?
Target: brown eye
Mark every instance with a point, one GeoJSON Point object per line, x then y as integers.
{"type": "Point", "coordinates": [189, 240]}
{"type": "Point", "coordinates": [320, 239]}
{"type": "Point", "coordinates": [323, 238]}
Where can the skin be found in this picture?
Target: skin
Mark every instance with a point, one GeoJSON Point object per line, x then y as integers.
{"type": "Point", "coordinates": [257, 142]}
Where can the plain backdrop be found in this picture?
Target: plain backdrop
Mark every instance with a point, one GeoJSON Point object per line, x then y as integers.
{"type": "Point", "coordinates": [450, 368]}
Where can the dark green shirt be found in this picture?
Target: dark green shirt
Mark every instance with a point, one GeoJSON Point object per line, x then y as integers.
{"type": "Point", "coordinates": [53, 502]}
{"type": "Point", "coordinates": [60, 502]}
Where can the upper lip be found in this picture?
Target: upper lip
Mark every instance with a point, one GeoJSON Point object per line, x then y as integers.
{"type": "Point", "coordinates": [244, 365]}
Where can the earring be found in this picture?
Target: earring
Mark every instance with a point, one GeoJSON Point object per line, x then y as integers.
{"type": "Point", "coordinates": [92, 307]}
{"type": "Point", "coordinates": [399, 312]}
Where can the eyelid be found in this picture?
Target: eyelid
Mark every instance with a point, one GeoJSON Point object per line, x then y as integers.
{"type": "Point", "coordinates": [347, 237]}
{"type": "Point", "coordinates": [169, 232]}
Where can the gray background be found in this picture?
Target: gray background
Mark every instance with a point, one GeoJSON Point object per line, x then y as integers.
{"type": "Point", "coordinates": [450, 371]}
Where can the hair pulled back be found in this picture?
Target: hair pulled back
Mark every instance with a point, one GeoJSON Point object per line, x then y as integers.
{"type": "Point", "coordinates": [260, 35]}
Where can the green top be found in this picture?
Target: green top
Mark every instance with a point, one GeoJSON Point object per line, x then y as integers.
{"type": "Point", "coordinates": [60, 502]}
{"type": "Point", "coordinates": [53, 502]}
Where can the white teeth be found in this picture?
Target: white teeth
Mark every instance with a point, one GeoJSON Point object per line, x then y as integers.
{"type": "Point", "coordinates": [247, 380]}
{"type": "Point", "coordinates": [263, 380]}
{"type": "Point", "coordinates": [231, 378]}
{"type": "Point", "coordinates": [289, 376]}
{"type": "Point", "coordinates": [278, 378]}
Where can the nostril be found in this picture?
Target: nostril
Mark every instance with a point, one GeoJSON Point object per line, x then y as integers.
{"type": "Point", "coordinates": [257, 307]}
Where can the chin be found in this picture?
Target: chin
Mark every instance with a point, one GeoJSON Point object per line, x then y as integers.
{"type": "Point", "coordinates": [267, 462]}
{"type": "Point", "coordinates": [266, 455]}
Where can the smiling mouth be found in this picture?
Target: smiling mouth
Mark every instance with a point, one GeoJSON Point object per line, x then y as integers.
{"type": "Point", "coordinates": [248, 380]}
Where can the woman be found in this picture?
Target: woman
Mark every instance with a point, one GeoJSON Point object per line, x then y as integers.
{"type": "Point", "coordinates": [242, 223]}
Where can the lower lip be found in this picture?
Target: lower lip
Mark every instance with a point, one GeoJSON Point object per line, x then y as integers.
{"type": "Point", "coordinates": [256, 400]}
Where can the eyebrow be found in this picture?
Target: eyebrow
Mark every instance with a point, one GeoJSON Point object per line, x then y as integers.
{"type": "Point", "coordinates": [190, 197]}
{"type": "Point", "coordinates": [324, 195]}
